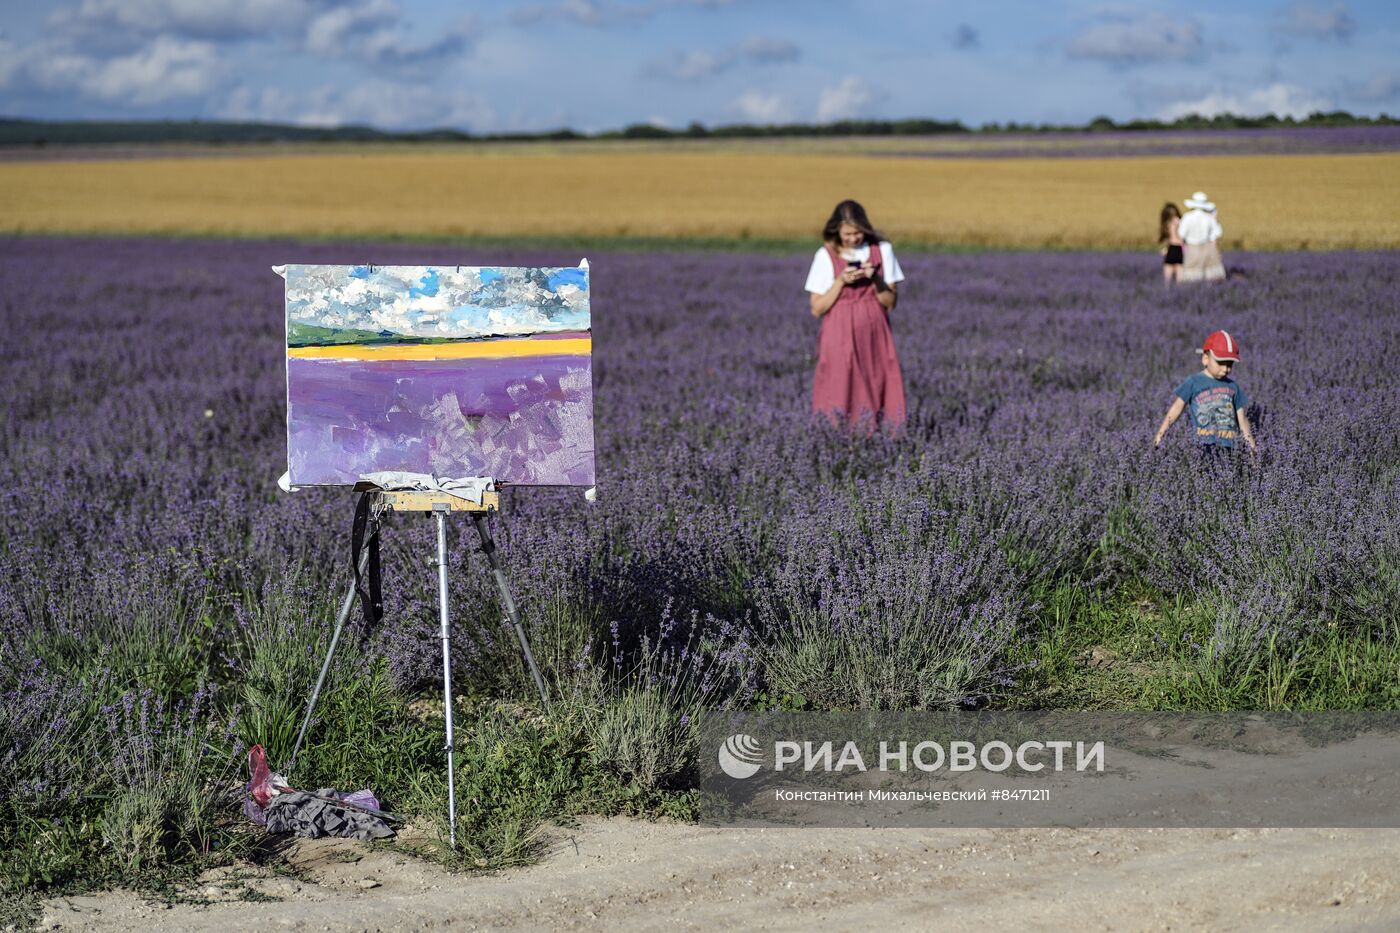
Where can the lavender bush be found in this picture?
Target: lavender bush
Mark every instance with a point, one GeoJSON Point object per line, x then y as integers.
{"type": "Point", "coordinates": [1187, 143]}
{"type": "Point", "coordinates": [641, 712]}
{"type": "Point", "coordinates": [145, 550]}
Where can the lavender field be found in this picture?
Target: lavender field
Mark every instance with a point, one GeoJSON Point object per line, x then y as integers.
{"type": "Point", "coordinates": [1107, 144]}
{"type": "Point", "coordinates": [162, 604]}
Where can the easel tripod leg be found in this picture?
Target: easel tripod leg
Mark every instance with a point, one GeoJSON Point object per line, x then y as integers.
{"type": "Point", "coordinates": [488, 547]}
{"type": "Point", "coordinates": [346, 605]}
{"type": "Point", "coordinates": [440, 514]}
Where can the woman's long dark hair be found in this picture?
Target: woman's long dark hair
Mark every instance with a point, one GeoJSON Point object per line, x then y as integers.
{"type": "Point", "coordinates": [850, 212]}
{"type": "Point", "coordinates": [1169, 212]}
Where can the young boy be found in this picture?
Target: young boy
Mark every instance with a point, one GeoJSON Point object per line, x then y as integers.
{"type": "Point", "coordinates": [1217, 402]}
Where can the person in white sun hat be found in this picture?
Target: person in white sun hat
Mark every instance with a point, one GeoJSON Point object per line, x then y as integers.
{"type": "Point", "coordinates": [1200, 230]}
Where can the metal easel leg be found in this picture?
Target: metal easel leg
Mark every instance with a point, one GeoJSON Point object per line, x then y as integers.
{"type": "Point", "coordinates": [440, 514]}
{"type": "Point", "coordinates": [488, 547]}
{"type": "Point", "coordinates": [346, 605]}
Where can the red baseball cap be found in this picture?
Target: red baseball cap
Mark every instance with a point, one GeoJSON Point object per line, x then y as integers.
{"type": "Point", "coordinates": [1222, 346]}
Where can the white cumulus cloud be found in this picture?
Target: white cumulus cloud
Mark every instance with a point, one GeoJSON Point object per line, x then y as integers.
{"type": "Point", "coordinates": [1284, 100]}
{"type": "Point", "coordinates": [161, 70]}
{"type": "Point", "coordinates": [852, 99]}
{"type": "Point", "coordinates": [1376, 89]}
{"type": "Point", "coordinates": [372, 31]}
{"type": "Point", "coordinates": [168, 69]}
{"type": "Point", "coordinates": [700, 64]}
{"type": "Point", "coordinates": [759, 107]}
{"type": "Point", "coordinates": [1139, 38]}
{"type": "Point", "coordinates": [576, 12]}
{"type": "Point", "coordinates": [386, 104]}
{"type": "Point", "coordinates": [1315, 21]}
{"type": "Point", "coordinates": [102, 22]}
{"type": "Point", "coordinates": [10, 59]}
{"type": "Point", "coordinates": [330, 32]}
{"type": "Point", "coordinates": [688, 66]}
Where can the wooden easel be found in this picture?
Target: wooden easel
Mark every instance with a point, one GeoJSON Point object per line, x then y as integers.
{"type": "Point", "coordinates": [439, 504]}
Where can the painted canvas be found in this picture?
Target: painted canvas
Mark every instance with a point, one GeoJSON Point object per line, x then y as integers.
{"type": "Point", "coordinates": [455, 371]}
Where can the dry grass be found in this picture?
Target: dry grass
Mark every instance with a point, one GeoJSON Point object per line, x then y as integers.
{"type": "Point", "coordinates": [1267, 202]}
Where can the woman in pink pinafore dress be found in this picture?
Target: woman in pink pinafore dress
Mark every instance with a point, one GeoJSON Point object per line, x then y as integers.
{"type": "Point", "coordinates": [852, 285]}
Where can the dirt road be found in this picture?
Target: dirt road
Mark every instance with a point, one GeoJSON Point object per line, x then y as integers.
{"type": "Point", "coordinates": [628, 875]}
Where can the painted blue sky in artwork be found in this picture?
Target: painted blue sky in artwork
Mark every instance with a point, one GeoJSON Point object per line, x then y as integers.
{"type": "Point", "coordinates": [427, 301]}
{"type": "Point", "coordinates": [530, 65]}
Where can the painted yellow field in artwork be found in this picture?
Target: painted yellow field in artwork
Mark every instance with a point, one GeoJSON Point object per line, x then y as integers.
{"type": "Point", "coordinates": [688, 193]}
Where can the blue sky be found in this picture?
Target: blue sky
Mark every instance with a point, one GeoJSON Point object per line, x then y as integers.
{"type": "Point", "coordinates": [603, 64]}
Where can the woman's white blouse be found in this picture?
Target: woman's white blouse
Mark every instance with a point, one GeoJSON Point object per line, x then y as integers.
{"type": "Point", "coordinates": [821, 277]}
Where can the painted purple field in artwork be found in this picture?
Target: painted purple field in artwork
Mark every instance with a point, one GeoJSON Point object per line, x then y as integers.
{"type": "Point", "coordinates": [523, 420]}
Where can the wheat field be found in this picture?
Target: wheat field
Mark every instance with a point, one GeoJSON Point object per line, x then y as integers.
{"type": "Point", "coordinates": [717, 193]}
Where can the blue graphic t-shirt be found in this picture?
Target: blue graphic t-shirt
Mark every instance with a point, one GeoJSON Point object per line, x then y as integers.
{"type": "Point", "coordinates": [1213, 404]}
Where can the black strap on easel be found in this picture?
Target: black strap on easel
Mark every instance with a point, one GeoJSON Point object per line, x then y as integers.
{"type": "Point", "coordinates": [368, 584]}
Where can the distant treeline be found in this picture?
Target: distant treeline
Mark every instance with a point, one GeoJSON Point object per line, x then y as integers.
{"type": "Point", "coordinates": [18, 132]}
{"type": "Point", "coordinates": [932, 127]}
{"type": "Point", "coordinates": [70, 132]}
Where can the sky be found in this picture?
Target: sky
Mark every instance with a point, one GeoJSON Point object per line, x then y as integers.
{"type": "Point", "coordinates": [594, 65]}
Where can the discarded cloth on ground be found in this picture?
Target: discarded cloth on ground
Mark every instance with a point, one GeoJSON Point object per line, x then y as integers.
{"type": "Point", "coordinates": [327, 813]}
{"type": "Point", "coordinates": [274, 803]}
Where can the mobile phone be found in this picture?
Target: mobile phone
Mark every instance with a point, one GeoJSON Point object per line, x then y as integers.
{"type": "Point", "coordinates": [853, 264]}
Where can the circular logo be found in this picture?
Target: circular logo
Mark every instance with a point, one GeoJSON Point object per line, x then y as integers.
{"type": "Point", "coordinates": [740, 756]}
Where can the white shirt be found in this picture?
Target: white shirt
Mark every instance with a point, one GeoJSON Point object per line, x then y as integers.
{"type": "Point", "coordinates": [1198, 226]}
{"type": "Point", "coordinates": [821, 276]}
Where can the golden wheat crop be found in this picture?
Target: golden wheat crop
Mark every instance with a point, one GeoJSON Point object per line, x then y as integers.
{"type": "Point", "coordinates": [606, 192]}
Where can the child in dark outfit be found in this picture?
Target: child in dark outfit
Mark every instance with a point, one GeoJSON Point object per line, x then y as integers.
{"type": "Point", "coordinates": [1217, 402]}
{"type": "Point", "coordinates": [1170, 238]}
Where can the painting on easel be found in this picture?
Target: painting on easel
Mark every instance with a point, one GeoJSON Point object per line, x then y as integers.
{"type": "Point", "coordinates": [455, 371]}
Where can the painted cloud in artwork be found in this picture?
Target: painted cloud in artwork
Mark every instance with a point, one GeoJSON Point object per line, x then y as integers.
{"type": "Point", "coordinates": [425, 301]}
{"type": "Point", "coordinates": [455, 371]}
